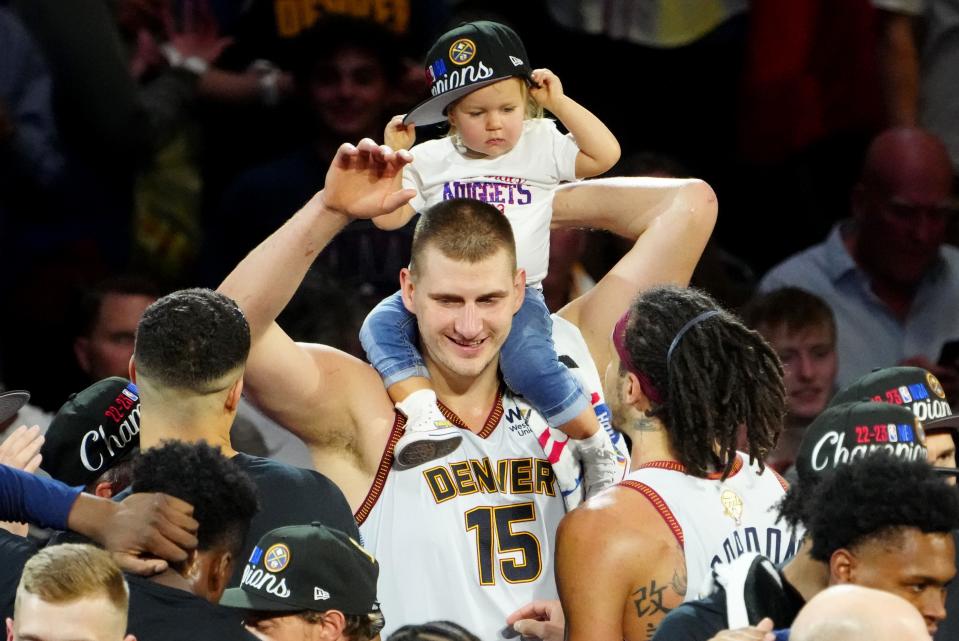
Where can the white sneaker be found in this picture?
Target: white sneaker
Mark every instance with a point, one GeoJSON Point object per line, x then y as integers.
{"type": "Point", "coordinates": [428, 436]}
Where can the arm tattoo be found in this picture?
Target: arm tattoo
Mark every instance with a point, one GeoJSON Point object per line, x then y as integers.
{"type": "Point", "coordinates": [648, 600]}
{"type": "Point", "coordinates": [679, 581]}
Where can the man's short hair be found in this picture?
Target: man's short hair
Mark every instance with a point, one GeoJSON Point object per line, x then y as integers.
{"type": "Point", "coordinates": [876, 498]}
{"type": "Point", "coordinates": [67, 572]}
{"type": "Point", "coordinates": [191, 339]}
{"type": "Point", "coordinates": [463, 229]}
{"type": "Point", "coordinates": [791, 308]}
{"type": "Point", "coordinates": [222, 495]}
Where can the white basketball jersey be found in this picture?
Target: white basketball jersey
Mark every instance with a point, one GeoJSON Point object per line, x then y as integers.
{"type": "Point", "coordinates": [716, 521]}
{"type": "Point", "coordinates": [469, 538]}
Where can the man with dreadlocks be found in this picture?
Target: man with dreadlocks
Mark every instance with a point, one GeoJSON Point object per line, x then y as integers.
{"type": "Point", "coordinates": [684, 379]}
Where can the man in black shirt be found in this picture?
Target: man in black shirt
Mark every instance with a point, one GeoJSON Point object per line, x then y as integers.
{"type": "Point", "coordinates": [188, 363]}
{"type": "Point", "coordinates": [880, 522]}
{"type": "Point", "coordinates": [180, 604]}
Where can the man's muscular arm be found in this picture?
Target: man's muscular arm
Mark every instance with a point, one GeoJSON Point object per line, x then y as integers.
{"type": "Point", "coordinates": [672, 220]}
{"type": "Point", "coordinates": [307, 386]}
{"type": "Point", "coordinates": [619, 571]}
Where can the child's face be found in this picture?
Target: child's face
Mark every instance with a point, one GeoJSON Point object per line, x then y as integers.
{"type": "Point", "coordinates": [490, 120]}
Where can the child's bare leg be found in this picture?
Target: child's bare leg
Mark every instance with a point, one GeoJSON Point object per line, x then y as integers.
{"type": "Point", "coordinates": [400, 390]}
{"type": "Point", "coordinates": [584, 425]}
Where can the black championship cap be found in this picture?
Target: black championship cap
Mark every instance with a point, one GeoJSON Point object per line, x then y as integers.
{"type": "Point", "coordinates": [467, 58]}
{"type": "Point", "coordinates": [11, 402]}
{"type": "Point", "coordinates": [93, 431]}
{"type": "Point", "coordinates": [912, 387]}
{"type": "Point", "coordinates": [307, 567]}
{"type": "Point", "coordinates": [849, 431]}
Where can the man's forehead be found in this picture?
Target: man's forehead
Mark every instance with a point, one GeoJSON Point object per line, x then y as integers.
{"type": "Point", "coordinates": [783, 336]}
{"type": "Point", "coordinates": [435, 265]}
{"type": "Point", "coordinates": [909, 550]}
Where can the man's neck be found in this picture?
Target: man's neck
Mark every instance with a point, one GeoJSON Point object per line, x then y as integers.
{"type": "Point", "coordinates": [897, 297]}
{"type": "Point", "coordinates": [470, 398]}
{"type": "Point", "coordinates": [650, 442]}
{"type": "Point", "coordinates": [156, 427]}
{"type": "Point", "coordinates": [172, 579]}
{"type": "Point", "coordinates": [808, 576]}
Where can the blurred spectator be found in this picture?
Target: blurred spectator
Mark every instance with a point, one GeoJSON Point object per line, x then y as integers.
{"type": "Point", "coordinates": [892, 285]}
{"type": "Point", "coordinates": [854, 613]}
{"type": "Point", "coordinates": [918, 58]}
{"type": "Point", "coordinates": [107, 324]}
{"type": "Point", "coordinates": [75, 590]}
{"type": "Point", "coordinates": [347, 70]}
{"type": "Point", "coordinates": [801, 329]}
{"type": "Point", "coordinates": [181, 604]}
{"type": "Point", "coordinates": [29, 149]}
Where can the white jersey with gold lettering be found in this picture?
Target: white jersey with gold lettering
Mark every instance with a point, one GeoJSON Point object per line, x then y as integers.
{"type": "Point", "coordinates": [469, 538]}
{"type": "Point", "coordinates": [716, 521]}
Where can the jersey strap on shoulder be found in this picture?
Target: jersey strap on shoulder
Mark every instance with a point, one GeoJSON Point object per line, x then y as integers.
{"type": "Point", "coordinates": [653, 497]}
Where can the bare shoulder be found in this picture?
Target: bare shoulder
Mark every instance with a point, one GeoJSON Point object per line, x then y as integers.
{"type": "Point", "coordinates": [623, 521]}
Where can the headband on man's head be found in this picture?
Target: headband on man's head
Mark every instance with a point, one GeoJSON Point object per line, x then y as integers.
{"type": "Point", "coordinates": [619, 342]}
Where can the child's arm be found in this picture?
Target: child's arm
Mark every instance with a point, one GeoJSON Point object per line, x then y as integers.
{"type": "Point", "coordinates": [598, 148]}
{"type": "Point", "coordinates": [397, 136]}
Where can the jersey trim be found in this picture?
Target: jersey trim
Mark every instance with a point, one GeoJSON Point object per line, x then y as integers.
{"type": "Point", "coordinates": [781, 480]}
{"type": "Point", "coordinates": [491, 421]}
{"type": "Point", "coordinates": [653, 497]}
{"type": "Point", "coordinates": [676, 466]}
{"type": "Point", "coordinates": [386, 463]}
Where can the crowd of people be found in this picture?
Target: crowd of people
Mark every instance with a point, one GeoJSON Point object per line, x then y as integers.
{"type": "Point", "coordinates": [581, 416]}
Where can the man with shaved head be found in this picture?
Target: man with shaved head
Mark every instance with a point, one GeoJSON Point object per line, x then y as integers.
{"type": "Point", "coordinates": [855, 613]}
{"type": "Point", "coordinates": [892, 285]}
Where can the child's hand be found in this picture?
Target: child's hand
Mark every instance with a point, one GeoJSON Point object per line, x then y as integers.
{"type": "Point", "coordinates": [398, 135]}
{"type": "Point", "coordinates": [547, 89]}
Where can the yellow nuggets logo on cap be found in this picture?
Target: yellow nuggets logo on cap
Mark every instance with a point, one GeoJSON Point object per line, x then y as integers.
{"type": "Point", "coordinates": [277, 558]}
{"type": "Point", "coordinates": [935, 385]}
{"type": "Point", "coordinates": [462, 51]}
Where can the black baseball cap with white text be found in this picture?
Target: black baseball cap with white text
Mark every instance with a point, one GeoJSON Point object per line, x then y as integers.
{"type": "Point", "coordinates": [307, 567]}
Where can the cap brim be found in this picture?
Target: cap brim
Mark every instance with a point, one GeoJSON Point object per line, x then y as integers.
{"type": "Point", "coordinates": [11, 402]}
{"type": "Point", "coordinates": [944, 424]}
{"type": "Point", "coordinates": [946, 471]}
{"type": "Point", "coordinates": [432, 110]}
{"type": "Point", "coordinates": [240, 598]}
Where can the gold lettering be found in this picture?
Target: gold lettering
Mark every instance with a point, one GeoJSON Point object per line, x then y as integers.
{"type": "Point", "coordinates": [441, 485]}
{"type": "Point", "coordinates": [521, 475]}
{"type": "Point", "coordinates": [483, 475]}
{"type": "Point", "coordinates": [544, 478]}
{"type": "Point", "coordinates": [461, 475]}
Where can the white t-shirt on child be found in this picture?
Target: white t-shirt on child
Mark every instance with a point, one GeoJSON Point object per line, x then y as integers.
{"type": "Point", "coordinates": [519, 183]}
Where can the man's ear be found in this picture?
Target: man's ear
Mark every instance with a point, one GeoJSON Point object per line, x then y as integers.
{"type": "Point", "coordinates": [406, 289]}
{"type": "Point", "coordinates": [104, 490]}
{"type": "Point", "coordinates": [233, 398]}
{"type": "Point", "coordinates": [519, 284]}
{"type": "Point", "coordinates": [842, 567]}
{"type": "Point", "coordinates": [330, 626]}
{"type": "Point", "coordinates": [221, 569]}
{"type": "Point", "coordinates": [80, 345]}
{"type": "Point", "coordinates": [9, 629]}
{"type": "Point", "coordinates": [132, 370]}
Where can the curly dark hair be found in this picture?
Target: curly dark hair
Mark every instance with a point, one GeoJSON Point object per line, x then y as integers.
{"type": "Point", "coordinates": [874, 498]}
{"type": "Point", "coordinates": [190, 339]}
{"type": "Point", "coordinates": [721, 376]}
{"type": "Point", "coordinates": [222, 495]}
{"type": "Point", "coordinates": [433, 631]}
